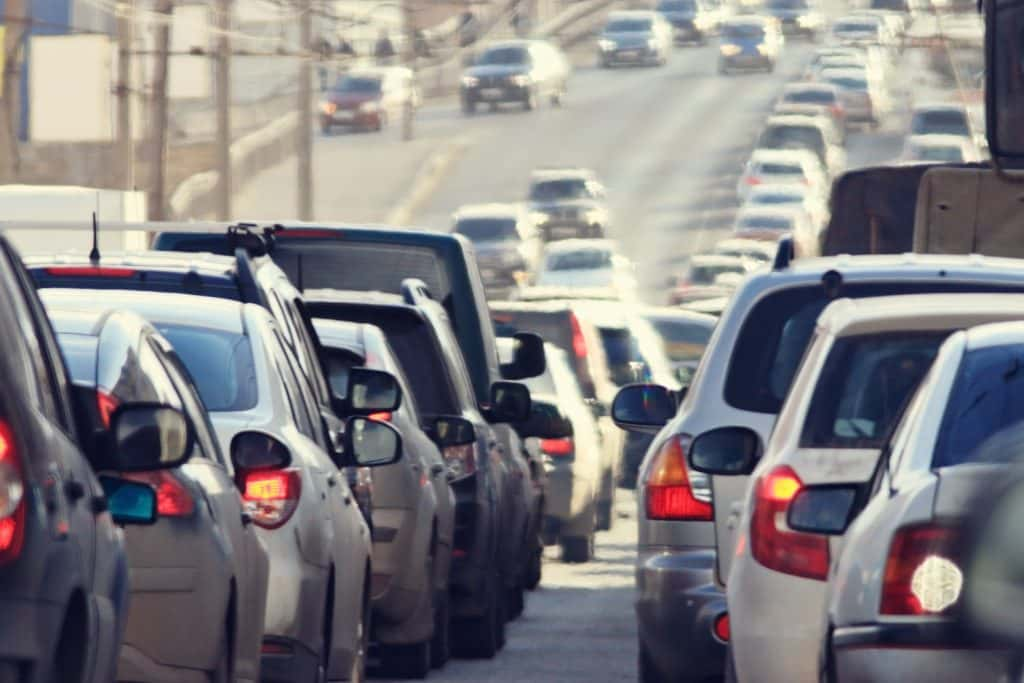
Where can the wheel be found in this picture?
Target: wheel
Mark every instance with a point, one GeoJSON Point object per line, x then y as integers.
{"type": "Point", "coordinates": [441, 644]}
{"type": "Point", "coordinates": [605, 515]}
{"type": "Point", "coordinates": [577, 549]}
{"type": "Point", "coordinates": [478, 638]}
{"type": "Point", "coordinates": [535, 568]}
{"type": "Point", "coordinates": [325, 128]}
{"type": "Point", "coordinates": [408, 661]}
{"type": "Point", "coordinates": [646, 671]}
{"type": "Point", "coordinates": [516, 602]}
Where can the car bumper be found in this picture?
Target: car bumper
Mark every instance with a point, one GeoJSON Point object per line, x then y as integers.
{"type": "Point", "coordinates": [291, 661]}
{"type": "Point", "coordinates": [687, 33]}
{"type": "Point", "coordinates": [28, 634]}
{"type": "Point", "coordinates": [634, 55]}
{"type": "Point", "coordinates": [496, 94]}
{"type": "Point", "coordinates": [471, 551]}
{"type": "Point", "coordinates": [500, 276]}
{"type": "Point", "coordinates": [355, 119]}
{"type": "Point", "coordinates": [676, 605]}
{"type": "Point", "coordinates": [741, 62]}
{"type": "Point", "coordinates": [912, 651]}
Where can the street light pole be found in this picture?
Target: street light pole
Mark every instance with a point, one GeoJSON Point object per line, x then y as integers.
{"type": "Point", "coordinates": [409, 20]}
{"type": "Point", "coordinates": [222, 93]}
{"type": "Point", "coordinates": [158, 121]}
{"type": "Point", "coordinates": [305, 126]}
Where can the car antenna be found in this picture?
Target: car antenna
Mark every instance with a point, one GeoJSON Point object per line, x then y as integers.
{"type": "Point", "coordinates": [94, 254]}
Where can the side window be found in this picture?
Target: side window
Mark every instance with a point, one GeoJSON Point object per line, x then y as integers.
{"type": "Point", "coordinates": [307, 353]}
{"type": "Point", "coordinates": [286, 367]}
{"type": "Point", "coordinates": [191, 401]}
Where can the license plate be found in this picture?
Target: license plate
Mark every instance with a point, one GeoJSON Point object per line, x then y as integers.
{"type": "Point", "coordinates": [344, 115]}
{"type": "Point", "coordinates": [492, 93]}
{"type": "Point", "coordinates": [629, 54]}
{"type": "Point", "coordinates": [566, 232]}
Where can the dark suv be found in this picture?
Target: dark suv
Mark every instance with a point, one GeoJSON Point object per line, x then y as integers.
{"type": "Point", "coordinates": [571, 202]}
{"type": "Point", "coordinates": [63, 571]}
{"type": "Point", "coordinates": [491, 532]}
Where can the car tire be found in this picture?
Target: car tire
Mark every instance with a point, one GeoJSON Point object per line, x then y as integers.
{"type": "Point", "coordinates": [577, 549]}
{"type": "Point", "coordinates": [222, 672]}
{"type": "Point", "coordinates": [326, 128]}
{"type": "Point", "coordinates": [441, 643]}
{"type": "Point", "coordinates": [411, 662]}
{"type": "Point", "coordinates": [605, 515]}
{"type": "Point", "coordinates": [478, 638]}
{"type": "Point", "coordinates": [516, 602]}
{"type": "Point", "coordinates": [646, 671]}
{"type": "Point", "coordinates": [535, 568]}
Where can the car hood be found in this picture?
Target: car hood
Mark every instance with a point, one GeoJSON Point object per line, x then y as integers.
{"type": "Point", "coordinates": [497, 70]}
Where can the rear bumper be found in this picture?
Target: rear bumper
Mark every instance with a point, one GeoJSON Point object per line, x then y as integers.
{"type": "Point", "coordinates": [298, 665]}
{"type": "Point", "coordinates": [742, 62]}
{"type": "Point", "coordinates": [473, 552]}
{"type": "Point", "coordinates": [496, 94]}
{"type": "Point", "coordinates": [636, 55]}
{"type": "Point", "coordinates": [352, 118]}
{"type": "Point", "coordinates": [676, 605]}
{"type": "Point", "coordinates": [28, 636]}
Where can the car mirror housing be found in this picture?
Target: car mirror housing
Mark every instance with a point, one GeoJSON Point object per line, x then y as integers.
{"type": "Point", "coordinates": [546, 421]}
{"type": "Point", "coordinates": [529, 360]}
{"type": "Point", "coordinates": [449, 430]}
{"type": "Point", "coordinates": [510, 402]}
{"type": "Point", "coordinates": [253, 451]}
{"type": "Point", "coordinates": [826, 510]}
{"type": "Point", "coordinates": [369, 391]}
{"type": "Point", "coordinates": [643, 407]}
{"type": "Point", "coordinates": [371, 443]}
{"type": "Point", "coordinates": [129, 502]}
{"type": "Point", "coordinates": [726, 451]}
{"type": "Point", "coordinates": [147, 436]}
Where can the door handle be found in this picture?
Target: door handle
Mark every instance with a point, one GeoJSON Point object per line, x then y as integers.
{"type": "Point", "coordinates": [437, 469]}
{"type": "Point", "coordinates": [332, 480]}
{"type": "Point", "coordinates": [74, 491]}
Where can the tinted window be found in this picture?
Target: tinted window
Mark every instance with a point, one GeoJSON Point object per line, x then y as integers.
{"type": "Point", "coordinates": [847, 82]}
{"type": "Point", "coordinates": [780, 169]}
{"type": "Point", "coordinates": [941, 154]}
{"type": "Point", "coordinates": [625, 362]}
{"type": "Point", "coordinates": [787, 4]}
{"type": "Point", "coordinates": [811, 97]}
{"type": "Point", "coordinates": [579, 260]}
{"type": "Point", "coordinates": [677, 6]}
{"type": "Point", "coordinates": [948, 122]}
{"type": "Point", "coordinates": [358, 84]}
{"type": "Point", "coordinates": [855, 27]}
{"type": "Point", "coordinates": [683, 341]}
{"type": "Point", "coordinates": [793, 137]}
{"type": "Point", "coordinates": [628, 26]}
{"type": "Point", "coordinates": [766, 222]}
{"type": "Point", "coordinates": [487, 229]}
{"type": "Point", "coordinates": [863, 386]}
{"type": "Point", "coordinates": [221, 364]}
{"type": "Point", "coordinates": [504, 55]}
{"type": "Point", "coordinates": [984, 420]}
{"type": "Point", "coordinates": [743, 31]}
{"type": "Point", "coordinates": [554, 190]}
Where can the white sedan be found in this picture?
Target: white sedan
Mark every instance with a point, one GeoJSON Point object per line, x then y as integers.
{"type": "Point", "coordinates": [588, 264]}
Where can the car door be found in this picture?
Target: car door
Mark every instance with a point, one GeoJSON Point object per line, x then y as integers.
{"type": "Point", "coordinates": [215, 475]}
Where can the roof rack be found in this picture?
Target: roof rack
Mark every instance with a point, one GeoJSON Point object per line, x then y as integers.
{"type": "Point", "coordinates": [785, 254]}
{"type": "Point", "coordinates": [414, 290]}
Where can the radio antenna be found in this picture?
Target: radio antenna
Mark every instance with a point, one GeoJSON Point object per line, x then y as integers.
{"type": "Point", "coordinates": [94, 255]}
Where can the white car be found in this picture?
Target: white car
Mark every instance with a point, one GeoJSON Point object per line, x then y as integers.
{"type": "Point", "coordinates": [867, 357]}
{"type": "Point", "coordinates": [777, 166]}
{"type": "Point", "coordinates": [944, 118]}
{"type": "Point", "coordinates": [635, 37]}
{"type": "Point", "coordinates": [773, 222]}
{"type": "Point", "coordinates": [816, 134]}
{"type": "Point", "coordinates": [860, 30]}
{"type": "Point", "coordinates": [587, 264]}
{"type": "Point", "coordinates": [790, 196]}
{"type": "Point", "coordinates": [864, 99]}
{"type": "Point", "coordinates": [759, 251]}
{"type": "Point", "coordinates": [938, 148]}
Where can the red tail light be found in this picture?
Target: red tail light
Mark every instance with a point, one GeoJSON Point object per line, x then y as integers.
{"type": "Point", "coordinates": [380, 417]}
{"type": "Point", "coordinates": [309, 233]}
{"type": "Point", "coordinates": [752, 180]}
{"type": "Point", "coordinates": [12, 497]}
{"type": "Point", "coordinates": [557, 447]}
{"type": "Point", "coordinates": [105, 406]}
{"type": "Point", "coordinates": [270, 497]}
{"type": "Point", "coordinates": [90, 271]}
{"type": "Point", "coordinates": [771, 541]}
{"type": "Point", "coordinates": [668, 487]}
{"type": "Point", "coordinates": [460, 460]}
{"type": "Point", "coordinates": [579, 342]}
{"type": "Point", "coordinates": [721, 627]}
{"type": "Point", "coordinates": [922, 574]}
{"type": "Point", "coordinates": [172, 498]}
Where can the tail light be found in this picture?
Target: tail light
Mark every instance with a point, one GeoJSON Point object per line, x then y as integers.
{"type": "Point", "coordinates": [380, 417]}
{"type": "Point", "coordinates": [579, 342]}
{"type": "Point", "coordinates": [460, 460]}
{"type": "Point", "coordinates": [922, 574]}
{"type": "Point", "coordinates": [721, 627]}
{"type": "Point", "coordinates": [12, 497]}
{"type": "Point", "coordinates": [752, 180]}
{"type": "Point", "coordinates": [105, 406]}
{"type": "Point", "coordinates": [172, 498]}
{"type": "Point", "coordinates": [772, 543]}
{"type": "Point", "coordinates": [270, 497]}
{"type": "Point", "coordinates": [557, 448]}
{"type": "Point", "coordinates": [90, 271]}
{"type": "Point", "coordinates": [669, 487]}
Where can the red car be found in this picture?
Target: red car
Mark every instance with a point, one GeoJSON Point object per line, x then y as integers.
{"type": "Point", "coordinates": [368, 98]}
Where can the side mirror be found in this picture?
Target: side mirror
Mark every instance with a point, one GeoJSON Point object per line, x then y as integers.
{"type": "Point", "coordinates": [129, 502]}
{"type": "Point", "coordinates": [726, 451]}
{"type": "Point", "coordinates": [369, 391]}
{"type": "Point", "coordinates": [824, 510]}
{"type": "Point", "coordinates": [1004, 86]}
{"type": "Point", "coordinates": [510, 402]}
{"type": "Point", "coordinates": [643, 407]}
{"type": "Point", "coordinates": [529, 360]}
{"type": "Point", "coordinates": [371, 443]}
{"type": "Point", "coordinates": [546, 422]}
{"type": "Point", "coordinates": [452, 431]}
{"type": "Point", "coordinates": [253, 451]}
{"type": "Point", "coordinates": [148, 436]}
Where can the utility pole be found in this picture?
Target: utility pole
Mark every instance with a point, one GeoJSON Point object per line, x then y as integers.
{"type": "Point", "coordinates": [16, 26]}
{"type": "Point", "coordinates": [125, 151]}
{"type": "Point", "coordinates": [409, 20]}
{"type": "Point", "coordinates": [158, 116]}
{"type": "Point", "coordinates": [222, 92]}
{"type": "Point", "coordinates": [305, 127]}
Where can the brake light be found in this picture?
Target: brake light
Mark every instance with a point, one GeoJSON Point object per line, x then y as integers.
{"type": "Point", "coordinates": [308, 233]}
{"type": "Point", "coordinates": [12, 497]}
{"type": "Point", "coordinates": [557, 447]}
{"type": "Point", "coordinates": [105, 406]}
{"type": "Point", "coordinates": [172, 498]}
{"type": "Point", "coordinates": [771, 541]}
{"type": "Point", "coordinates": [90, 271]}
{"type": "Point", "coordinates": [380, 417]}
{"type": "Point", "coordinates": [669, 490]}
{"type": "Point", "coordinates": [752, 180]}
{"type": "Point", "coordinates": [721, 627]}
{"type": "Point", "coordinates": [579, 342]}
{"type": "Point", "coordinates": [922, 574]}
{"type": "Point", "coordinates": [460, 460]}
{"type": "Point", "coordinates": [270, 497]}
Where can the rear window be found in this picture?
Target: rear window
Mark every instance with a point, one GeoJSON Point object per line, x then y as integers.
{"type": "Point", "coordinates": [625, 362]}
{"type": "Point", "coordinates": [677, 6]}
{"type": "Point", "coordinates": [79, 351]}
{"type": "Point", "coordinates": [555, 190]}
{"type": "Point", "coordinates": [984, 420]}
{"type": "Point", "coordinates": [775, 334]}
{"type": "Point", "coordinates": [579, 260]}
{"type": "Point", "coordinates": [683, 341]}
{"type": "Point", "coordinates": [940, 154]}
{"type": "Point", "coordinates": [780, 169]}
{"type": "Point", "coordinates": [793, 137]}
{"type": "Point", "coordinates": [706, 274]}
{"type": "Point", "coordinates": [487, 229]}
{"type": "Point", "coordinates": [221, 365]}
{"type": "Point", "coordinates": [628, 26]}
{"type": "Point", "coordinates": [949, 122]}
{"type": "Point", "coordinates": [863, 385]}
{"type": "Point", "coordinates": [766, 222]}
{"type": "Point", "coordinates": [552, 327]}
{"type": "Point", "coordinates": [848, 83]}
{"type": "Point", "coordinates": [810, 97]}
{"type": "Point", "coordinates": [741, 31]}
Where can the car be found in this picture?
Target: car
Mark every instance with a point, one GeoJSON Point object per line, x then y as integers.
{"type": "Point", "coordinates": [760, 252]}
{"type": "Point", "coordinates": [684, 336]}
{"type": "Point", "coordinates": [413, 521]}
{"type": "Point", "coordinates": [938, 148]}
{"type": "Point", "coordinates": [816, 134]}
{"type": "Point", "coordinates": [858, 30]}
{"type": "Point", "coordinates": [749, 43]}
{"type": "Point", "coordinates": [866, 360]}
{"type": "Point", "coordinates": [252, 385]}
{"type": "Point", "coordinates": [963, 432]}
{"type": "Point", "coordinates": [507, 243]}
{"type": "Point", "coordinates": [588, 264]}
{"type": "Point", "coordinates": [369, 98]}
{"type": "Point", "coordinates": [814, 99]}
{"type": "Point", "coordinates": [796, 17]}
{"type": "Point", "coordinates": [635, 37]}
{"type": "Point", "coordinates": [864, 100]}
{"type": "Point", "coordinates": [216, 624]}
{"type": "Point", "coordinates": [565, 324]}
{"type": "Point", "coordinates": [701, 275]}
{"type": "Point", "coordinates": [569, 203]}
{"type": "Point", "coordinates": [524, 72]}
{"type": "Point", "coordinates": [786, 196]}
{"type": "Point", "coordinates": [685, 542]}
{"type": "Point", "coordinates": [773, 222]}
{"type": "Point", "coordinates": [941, 119]}
{"type": "Point", "coordinates": [782, 167]}
{"type": "Point", "coordinates": [692, 20]}
{"type": "Point", "coordinates": [492, 544]}
{"type": "Point", "coordinates": [51, 509]}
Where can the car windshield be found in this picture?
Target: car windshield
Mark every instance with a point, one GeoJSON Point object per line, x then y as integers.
{"type": "Point", "coordinates": [786, 4]}
{"type": "Point", "coordinates": [677, 6]}
{"type": "Point", "coordinates": [587, 259]}
{"type": "Point", "coordinates": [863, 385]}
{"type": "Point", "coordinates": [793, 137]}
{"type": "Point", "coordinates": [357, 84]}
{"type": "Point", "coordinates": [504, 56]}
{"type": "Point", "coordinates": [810, 97]}
{"type": "Point", "coordinates": [221, 365]}
{"type": "Point", "coordinates": [487, 229]}
{"type": "Point", "coordinates": [855, 27]}
{"type": "Point", "coordinates": [684, 341]}
{"type": "Point", "coordinates": [555, 190]}
{"type": "Point", "coordinates": [773, 168]}
{"type": "Point", "coordinates": [938, 153]}
{"type": "Point", "coordinates": [706, 274]}
{"type": "Point", "coordinates": [765, 223]}
{"type": "Point", "coordinates": [984, 419]}
{"type": "Point", "coordinates": [742, 31]}
{"type": "Point", "coordinates": [848, 82]}
{"type": "Point", "coordinates": [941, 123]}
{"type": "Point", "coordinates": [628, 26]}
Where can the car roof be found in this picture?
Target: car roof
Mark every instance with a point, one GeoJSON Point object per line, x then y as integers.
{"type": "Point", "coordinates": [493, 210]}
{"type": "Point", "coordinates": [557, 173]}
{"type": "Point", "coordinates": [778, 188]}
{"type": "Point", "coordinates": [570, 245]}
{"type": "Point", "coordinates": [165, 307]}
{"type": "Point", "coordinates": [170, 261]}
{"type": "Point", "coordinates": [795, 120]}
{"type": "Point", "coordinates": [845, 72]}
{"type": "Point", "coordinates": [942, 265]}
{"type": "Point", "coordinates": [995, 334]}
{"type": "Point", "coordinates": [846, 317]}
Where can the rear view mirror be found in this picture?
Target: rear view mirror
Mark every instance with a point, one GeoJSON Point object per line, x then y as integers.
{"type": "Point", "coordinates": [510, 402]}
{"type": "Point", "coordinates": [371, 443]}
{"type": "Point", "coordinates": [823, 509]}
{"type": "Point", "coordinates": [129, 502]}
{"type": "Point", "coordinates": [726, 451]}
{"type": "Point", "coordinates": [369, 391]}
{"type": "Point", "coordinates": [148, 436]}
{"type": "Point", "coordinates": [643, 407]}
{"type": "Point", "coordinates": [1004, 85]}
{"type": "Point", "coordinates": [529, 360]}
{"type": "Point", "coordinates": [546, 422]}
{"type": "Point", "coordinates": [254, 451]}
{"type": "Point", "coordinates": [452, 431]}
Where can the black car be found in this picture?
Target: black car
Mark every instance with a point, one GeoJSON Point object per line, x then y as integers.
{"type": "Point", "coordinates": [570, 203]}
{"type": "Point", "coordinates": [523, 72]}
{"type": "Point", "coordinates": [692, 20]}
{"type": "Point", "coordinates": [488, 568]}
{"type": "Point", "coordinates": [796, 17]}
